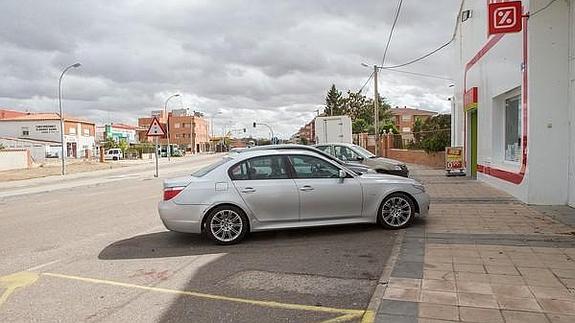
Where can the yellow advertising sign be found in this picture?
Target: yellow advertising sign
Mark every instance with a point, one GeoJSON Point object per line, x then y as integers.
{"type": "Point", "coordinates": [453, 158]}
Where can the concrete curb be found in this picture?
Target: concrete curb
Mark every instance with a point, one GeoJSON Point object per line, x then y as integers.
{"type": "Point", "coordinates": [382, 283]}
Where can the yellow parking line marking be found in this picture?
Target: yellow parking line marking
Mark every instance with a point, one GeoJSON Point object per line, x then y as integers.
{"type": "Point", "coordinates": [348, 314]}
{"type": "Point", "coordinates": [15, 281]}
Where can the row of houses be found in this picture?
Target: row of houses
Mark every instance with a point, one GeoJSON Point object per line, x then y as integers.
{"type": "Point", "coordinates": [404, 120]}
{"type": "Point", "coordinates": [40, 133]}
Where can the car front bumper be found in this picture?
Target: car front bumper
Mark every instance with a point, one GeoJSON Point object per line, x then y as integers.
{"type": "Point", "coordinates": [182, 218]}
{"type": "Point", "coordinates": [423, 201]}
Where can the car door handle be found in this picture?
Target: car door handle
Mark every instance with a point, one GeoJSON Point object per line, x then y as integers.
{"type": "Point", "coordinates": [306, 188]}
{"type": "Point", "coordinates": [248, 190]}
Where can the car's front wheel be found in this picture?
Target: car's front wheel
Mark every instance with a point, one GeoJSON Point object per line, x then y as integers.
{"type": "Point", "coordinates": [226, 225]}
{"type": "Point", "coordinates": [397, 211]}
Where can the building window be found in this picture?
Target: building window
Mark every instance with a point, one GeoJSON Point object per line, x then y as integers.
{"type": "Point", "coordinates": [513, 129]}
{"type": "Point", "coordinates": [86, 132]}
{"type": "Point", "coordinates": [405, 118]}
{"type": "Point", "coordinates": [406, 129]}
{"type": "Point", "coordinates": [25, 132]}
{"type": "Point", "coordinates": [177, 125]}
{"type": "Point", "coordinates": [72, 131]}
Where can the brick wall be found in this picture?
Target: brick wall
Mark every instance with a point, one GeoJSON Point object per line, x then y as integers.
{"type": "Point", "coordinates": [419, 157]}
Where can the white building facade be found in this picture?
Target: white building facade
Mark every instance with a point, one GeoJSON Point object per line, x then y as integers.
{"type": "Point", "coordinates": [45, 127]}
{"type": "Point", "coordinates": [514, 109]}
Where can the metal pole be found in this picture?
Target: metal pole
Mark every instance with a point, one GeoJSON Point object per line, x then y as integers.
{"type": "Point", "coordinates": [168, 150]}
{"type": "Point", "coordinates": [156, 154]}
{"type": "Point", "coordinates": [376, 108]}
{"type": "Point", "coordinates": [271, 130]}
{"type": "Point", "coordinates": [62, 138]}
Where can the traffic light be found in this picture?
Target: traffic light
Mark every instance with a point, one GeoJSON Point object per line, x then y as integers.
{"type": "Point", "coordinates": [254, 124]}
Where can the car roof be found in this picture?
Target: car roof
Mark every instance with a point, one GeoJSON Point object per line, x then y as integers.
{"type": "Point", "coordinates": [283, 146]}
{"type": "Point", "coordinates": [249, 153]}
{"type": "Point", "coordinates": [336, 143]}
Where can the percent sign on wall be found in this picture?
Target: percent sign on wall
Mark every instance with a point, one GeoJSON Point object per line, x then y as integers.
{"type": "Point", "coordinates": [505, 17]}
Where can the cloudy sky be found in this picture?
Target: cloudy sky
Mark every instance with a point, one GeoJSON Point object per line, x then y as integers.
{"type": "Point", "coordinates": [242, 61]}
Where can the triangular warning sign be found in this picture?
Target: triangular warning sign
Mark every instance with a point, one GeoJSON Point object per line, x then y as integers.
{"type": "Point", "coordinates": [155, 129]}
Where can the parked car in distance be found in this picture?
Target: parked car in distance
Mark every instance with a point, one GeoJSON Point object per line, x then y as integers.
{"type": "Point", "coordinates": [113, 154]}
{"type": "Point", "coordinates": [358, 154]}
{"type": "Point", "coordinates": [281, 189]}
{"type": "Point", "coordinates": [354, 166]}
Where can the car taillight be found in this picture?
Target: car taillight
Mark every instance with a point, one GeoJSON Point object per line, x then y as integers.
{"type": "Point", "coordinates": [171, 192]}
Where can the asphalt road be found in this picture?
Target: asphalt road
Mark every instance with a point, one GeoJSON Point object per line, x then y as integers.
{"type": "Point", "coordinates": [99, 253]}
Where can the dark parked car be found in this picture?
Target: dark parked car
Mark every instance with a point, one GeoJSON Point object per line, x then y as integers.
{"type": "Point", "coordinates": [354, 166]}
{"type": "Point", "coordinates": [358, 154]}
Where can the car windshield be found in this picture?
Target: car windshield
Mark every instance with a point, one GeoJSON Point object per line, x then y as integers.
{"type": "Point", "coordinates": [205, 170]}
{"type": "Point", "coordinates": [364, 152]}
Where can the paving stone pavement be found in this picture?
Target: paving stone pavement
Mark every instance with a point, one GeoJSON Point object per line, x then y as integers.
{"type": "Point", "coordinates": [482, 256]}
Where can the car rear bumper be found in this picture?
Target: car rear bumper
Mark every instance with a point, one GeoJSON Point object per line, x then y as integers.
{"type": "Point", "coordinates": [182, 218]}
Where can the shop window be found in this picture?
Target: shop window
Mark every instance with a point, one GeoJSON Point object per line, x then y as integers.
{"type": "Point", "coordinates": [513, 128]}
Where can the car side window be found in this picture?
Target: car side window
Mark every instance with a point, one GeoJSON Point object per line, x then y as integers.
{"type": "Point", "coordinates": [264, 167]}
{"type": "Point", "coordinates": [325, 149]}
{"type": "Point", "coordinates": [344, 153]}
{"type": "Point", "coordinates": [312, 167]}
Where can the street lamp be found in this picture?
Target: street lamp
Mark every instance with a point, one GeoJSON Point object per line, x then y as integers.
{"type": "Point", "coordinates": [62, 115]}
{"type": "Point", "coordinates": [269, 127]}
{"type": "Point", "coordinates": [168, 150]}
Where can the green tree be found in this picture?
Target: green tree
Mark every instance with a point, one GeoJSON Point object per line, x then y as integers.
{"type": "Point", "coordinates": [333, 102]}
{"type": "Point", "coordinates": [436, 133]}
{"type": "Point", "coordinates": [110, 143]}
{"type": "Point", "coordinates": [123, 145]}
{"type": "Point", "coordinates": [2, 147]}
{"type": "Point", "coordinates": [360, 126]}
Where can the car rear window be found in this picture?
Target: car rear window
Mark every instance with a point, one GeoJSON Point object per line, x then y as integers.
{"type": "Point", "coordinates": [205, 170]}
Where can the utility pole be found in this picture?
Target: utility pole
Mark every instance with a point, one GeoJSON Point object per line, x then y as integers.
{"type": "Point", "coordinates": [376, 108]}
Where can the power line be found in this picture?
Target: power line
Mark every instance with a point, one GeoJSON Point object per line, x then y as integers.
{"type": "Point", "coordinates": [421, 57]}
{"type": "Point", "coordinates": [391, 31]}
{"type": "Point", "coordinates": [422, 74]}
{"type": "Point", "coordinates": [435, 50]}
{"type": "Point", "coordinates": [364, 84]}
{"type": "Point", "coordinates": [539, 10]}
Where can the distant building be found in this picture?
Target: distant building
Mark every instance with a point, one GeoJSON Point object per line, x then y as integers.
{"type": "Point", "coordinates": [120, 131]}
{"type": "Point", "coordinates": [186, 129]}
{"type": "Point", "coordinates": [306, 134]}
{"type": "Point", "coordinates": [5, 113]}
{"type": "Point", "coordinates": [44, 128]}
{"type": "Point", "coordinates": [405, 118]}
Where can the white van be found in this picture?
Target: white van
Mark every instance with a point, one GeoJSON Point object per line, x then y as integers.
{"type": "Point", "coordinates": [113, 154]}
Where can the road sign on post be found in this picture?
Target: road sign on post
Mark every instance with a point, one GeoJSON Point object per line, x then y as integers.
{"type": "Point", "coordinates": [156, 130]}
{"type": "Point", "coordinates": [505, 17]}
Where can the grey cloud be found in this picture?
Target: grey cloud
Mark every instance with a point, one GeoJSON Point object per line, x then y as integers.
{"type": "Point", "coordinates": [267, 60]}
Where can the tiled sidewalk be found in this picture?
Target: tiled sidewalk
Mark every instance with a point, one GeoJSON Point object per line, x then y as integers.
{"type": "Point", "coordinates": [481, 256]}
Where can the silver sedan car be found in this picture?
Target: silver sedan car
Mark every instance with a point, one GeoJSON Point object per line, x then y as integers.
{"type": "Point", "coordinates": [281, 189]}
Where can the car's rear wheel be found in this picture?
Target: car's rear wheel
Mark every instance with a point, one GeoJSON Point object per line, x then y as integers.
{"type": "Point", "coordinates": [226, 225]}
{"type": "Point", "coordinates": [397, 211]}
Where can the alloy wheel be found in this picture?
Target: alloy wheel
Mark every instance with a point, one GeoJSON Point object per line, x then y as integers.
{"type": "Point", "coordinates": [396, 211]}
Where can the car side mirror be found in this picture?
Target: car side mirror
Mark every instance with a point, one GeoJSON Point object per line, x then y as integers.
{"type": "Point", "coordinates": [342, 174]}
{"type": "Point", "coordinates": [359, 158]}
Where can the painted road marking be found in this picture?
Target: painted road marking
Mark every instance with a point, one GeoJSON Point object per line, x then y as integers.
{"type": "Point", "coordinates": [23, 279]}
{"type": "Point", "coordinates": [12, 282]}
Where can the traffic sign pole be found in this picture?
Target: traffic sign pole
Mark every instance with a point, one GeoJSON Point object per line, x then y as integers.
{"type": "Point", "coordinates": [156, 130]}
{"type": "Point", "coordinates": [156, 154]}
